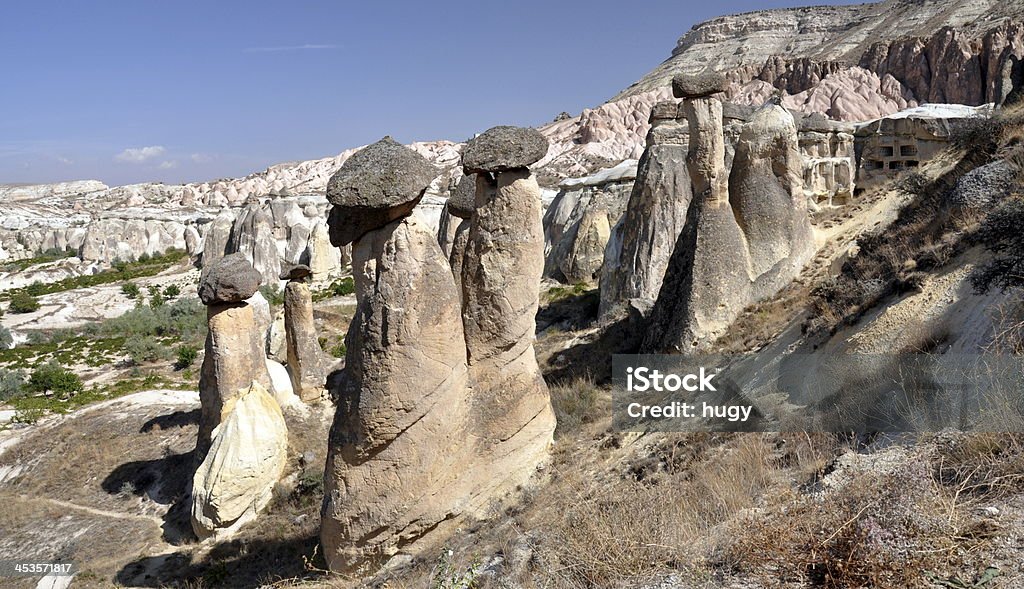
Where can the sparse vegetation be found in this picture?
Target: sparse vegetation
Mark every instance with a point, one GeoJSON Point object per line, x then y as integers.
{"type": "Point", "coordinates": [186, 354]}
{"type": "Point", "coordinates": [130, 290]}
{"type": "Point", "coordinates": [23, 302]}
{"type": "Point", "coordinates": [339, 288]}
{"type": "Point", "coordinates": [577, 402]}
{"type": "Point", "coordinates": [50, 255]}
{"type": "Point", "coordinates": [145, 348]}
{"type": "Point", "coordinates": [273, 294]}
{"type": "Point", "coordinates": [53, 379]}
{"type": "Point", "coordinates": [6, 339]}
{"type": "Point", "coordinates": [120, 272]}
{"type": "Point", "coordinates": [12, 384]}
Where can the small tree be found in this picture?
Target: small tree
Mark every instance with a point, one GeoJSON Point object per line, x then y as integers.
{"type": "Point", "coordinates": [54, 378]}
{"type": "Point", "coordinates": [130, 290]}
{"type": "Point", "coordinates": [172, 291]}
{"type": "Point", "coordinates": [23, 302]}
{"type": "Point", "coordinates": [186, 356]}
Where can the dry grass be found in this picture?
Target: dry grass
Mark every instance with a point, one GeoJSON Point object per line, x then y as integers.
{"type": "Point", "coordinates": [578, 402]}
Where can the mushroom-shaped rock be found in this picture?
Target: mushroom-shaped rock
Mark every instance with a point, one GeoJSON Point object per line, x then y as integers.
{"type": "Point", "coordinates": [377, 185]}
{"type": "Point", "coordinates": [461, 203]}
{"type": "Point", "coordinates": [296, 272]}
{"type": "Point", "coordinates": [231, 279]}
{"type": "Point", "coordinates": [699, 85]}
{"type": "Point", "coordinates": [503, 148]}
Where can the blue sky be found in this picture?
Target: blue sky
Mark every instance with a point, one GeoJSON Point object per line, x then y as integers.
{"type": "Point", "coordinates": [131, 91]}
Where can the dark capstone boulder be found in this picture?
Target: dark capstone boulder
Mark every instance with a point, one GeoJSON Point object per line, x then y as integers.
{"type": "Point", "coordinates": [503, 148]}
{"type": "Point", "coordinates": [462, 201]}
{"type": "Point", "coordinates": [699, 85]}
{"type": "Point", "coordinates": [377, 185]}
{"type": "Point", "coordinates": [231, 279]}
{"type": "Point", "coordinates": [296, 272]}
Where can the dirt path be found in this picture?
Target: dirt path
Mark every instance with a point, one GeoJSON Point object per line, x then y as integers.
{"type": "Point", "coordinates": [93, 511]}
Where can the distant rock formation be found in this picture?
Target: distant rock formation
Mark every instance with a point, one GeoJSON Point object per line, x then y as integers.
{"type": "Point", "coordinates": [441, 408]}
{"type": "Point", "coordinates": [306, 362]}
{"type": "Point", "coordinates": [746, 233]}
{"type": "Point", "coordinates": [577, 224]}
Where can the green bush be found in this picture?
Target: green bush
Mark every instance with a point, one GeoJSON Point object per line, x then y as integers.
{"type": "Point", "coordinates": [172, 291]}
{"type": "Point", "coordinates": [144, 258]}
{"type": "Point", "coordinates": [184, 319]}
{"type": "Point", "coordinates": [145, 348]}
{"type": "Point", "coordinates": [156, 300]}
{"type": "Point", "coordinates": [54, 378]}
{"type": "Point", "coordinates": [273, 294]}
{"type": "Point", "coordinates": [36, 289]}
{"type": "Point", "coordinates": [187, 355]}
{"type": "Point", "coordinates": [23, 302]}
{"type": "Point", "coordinates": [12, 384]}
{"type": "Point", "coordinates": [130, 290]}
{"type": "Point", "coordinates": [6, 339]}
{"type": "Point", "coordinates": [338, 288]}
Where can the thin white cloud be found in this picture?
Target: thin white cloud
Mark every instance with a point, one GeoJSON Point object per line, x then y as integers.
{"type": "Point", "coordinates": [289, 48]}
{"type": "Point", "coordinates": [201, 158]}
{"type": "Point", "coordinates": [139, 155]}
{"type": "Point", "coordinates": [168, 165]}
{"type": "Point", "coordinates": [64, 160]}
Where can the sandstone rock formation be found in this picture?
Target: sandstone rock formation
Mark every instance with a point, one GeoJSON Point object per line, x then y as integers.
{"type": "Point", "coordinates": [235, 356]}
{"type": "Point", "coordinates": [252, 235]}
{"type": "Point", "coordinates": [306, 362]}
{"type": "Point", "coordinates": [746, 233]}
{"type": "Point", "coordinates": [577, 224]}
{"type": "Point", "coordinates": [237, 476]}
{"type": "Point", "coordinates": [501, 275]}
{"type": "Point", "coordinates": [643, 241]}
{"type": "Point", "coordinates": [399, 435]}
{"type": "Point", "coordinates": [415, 442]}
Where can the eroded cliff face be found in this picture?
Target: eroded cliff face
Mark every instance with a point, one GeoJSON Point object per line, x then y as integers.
{"type": "Point", "coordinates": [792, 49]}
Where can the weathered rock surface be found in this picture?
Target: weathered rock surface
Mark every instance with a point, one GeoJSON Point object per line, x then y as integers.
{"type": "Point", "coordinates": [231, 279]}
{"type": "Point", "coordinates": [699, 85]}
{"type": "Point", "coordinates": [441, 406]}
{"type": "Point", "coordinates": [577, 224]}
{"type": "Point", "coordinates": [503, 148]}
{"type": "Point", "coordinates": [236, 478]}
{"type": "Point", "coordinates": [399, 444]}
{"type": "Point", "coordinates": [746, 235]}
{"type": "Point", "coordinates": [643, 241]}
{"type": "Point", "coordinates": [306, 362]}
{"type": "Point", "coordinates": [252, 235]}
{"type": "Point", "coordinates": [501, 274]}
{"type": "Point", "coordinates": [462, 201]}
{"type": "Point", "coordinates": [377, 185]}
{"type": "Point", "coordinates": [235, 347]}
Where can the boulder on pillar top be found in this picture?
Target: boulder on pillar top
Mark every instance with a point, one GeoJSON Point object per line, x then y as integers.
{"type": "Point", "coordinates": [504, 148]}
{"type": "Point", "coordinates": [462, 201]}
{"type": "Point", "coordinates": [699, 85]}
{"type": "Point", "coordinates": [297, 272]}
{"type": "Point", "coordinates": [379, 184]}
{"type": "Point", "coordinates": [231, 279]}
